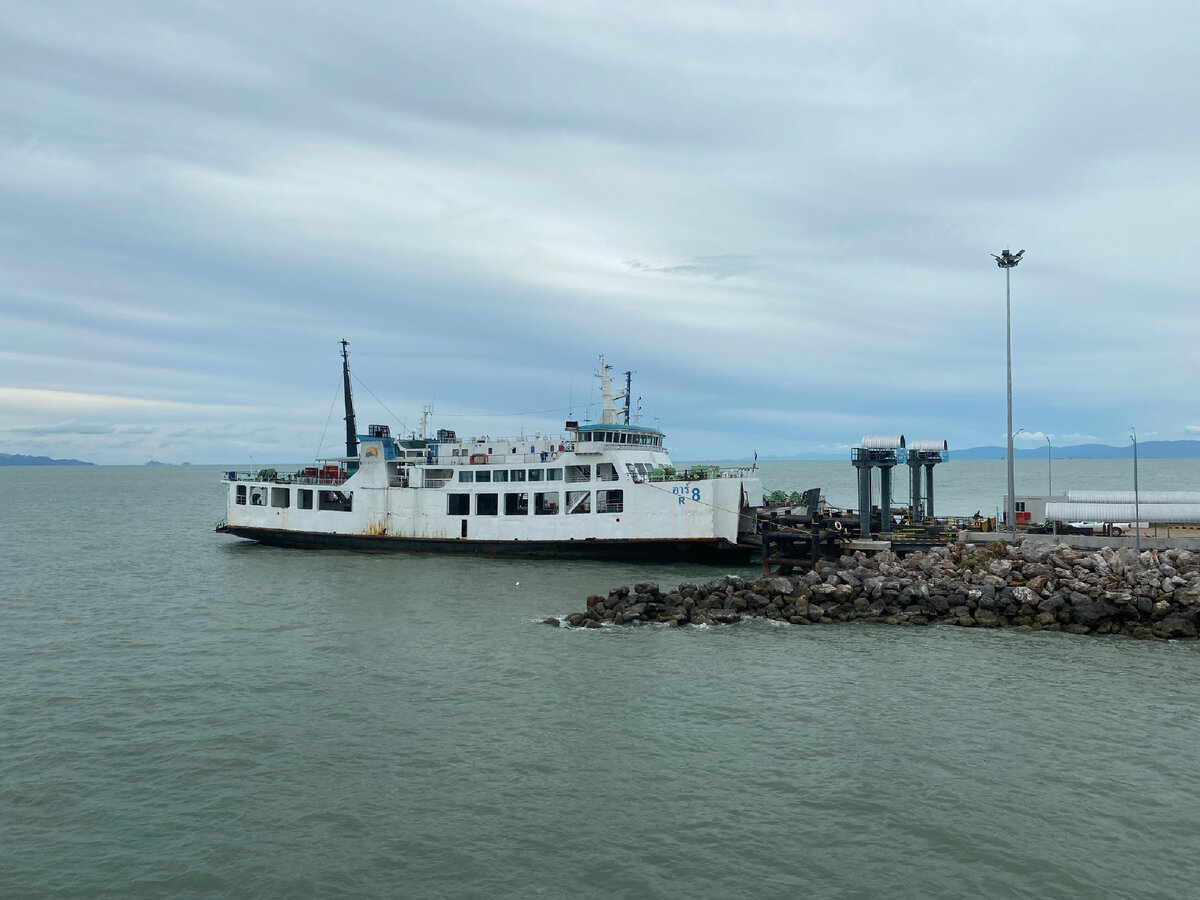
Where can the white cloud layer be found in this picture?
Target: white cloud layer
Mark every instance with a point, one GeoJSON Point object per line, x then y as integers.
{"type": "Point", "coordinates": [780, 216]}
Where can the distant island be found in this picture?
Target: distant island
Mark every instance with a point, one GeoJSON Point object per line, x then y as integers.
{"type": "Point", "coordinates": [1146, 450]}
{"type": "Point", "coordinates": [17, 459]}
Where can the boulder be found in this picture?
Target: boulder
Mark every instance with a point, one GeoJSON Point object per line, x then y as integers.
{"type": "Point", "coordinates": [778, 585]}
{"type": "Point", "coordinates": [1091, 610]}
{"type": "Point", "coordinates": [1053, 603]}
{"type": "Point", "coordinates": [1025, 596]}
{"type": "Point", "coordinates": [1175, 626]}
{"type": "Point", "coordinates": [986, 618]}
{"type": "Point", "coordinates": [1035, 551]}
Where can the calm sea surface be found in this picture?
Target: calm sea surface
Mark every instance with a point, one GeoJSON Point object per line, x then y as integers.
{"type": "Point", "coordinates": [185, 714]}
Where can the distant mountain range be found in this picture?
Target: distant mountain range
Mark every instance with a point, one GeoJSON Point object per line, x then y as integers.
{"type": "Point", "coordinates": [1146, 450]}
{"type": "Point", "coordinates": [17, 459]}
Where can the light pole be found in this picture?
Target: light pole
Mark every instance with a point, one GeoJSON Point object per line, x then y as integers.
{"type": "Point", "coordinates": [1049, 470]}
{"type": "Point", "coordinates": [1137, 531]}
{"type": "Point", "coordinates": [1008, 261]}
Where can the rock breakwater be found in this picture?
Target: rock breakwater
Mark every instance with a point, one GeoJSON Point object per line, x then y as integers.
{"type": "Point", "coordinates": [1027, 585]}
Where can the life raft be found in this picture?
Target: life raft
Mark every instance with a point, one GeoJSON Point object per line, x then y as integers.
{"type": "Point", "coordinates": [478, 459]}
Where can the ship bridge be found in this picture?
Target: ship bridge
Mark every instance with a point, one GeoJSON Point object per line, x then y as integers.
{"type": "Point", "coordinates": [607, 435]}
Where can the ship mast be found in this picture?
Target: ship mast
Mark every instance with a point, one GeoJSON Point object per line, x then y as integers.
{"type": "Point", "coordinates": [608, 407]}
{"type": "Point", "coordinates": [351, 432]}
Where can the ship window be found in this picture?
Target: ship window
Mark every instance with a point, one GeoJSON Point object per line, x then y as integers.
{"type": "Point", "coordinates": [241, 495]}
{"type": "Point", "coordinates": [487, 504]}
{"type": "Point", "coordinates": [466, 475]}
{"type": "Point", "coordinates": [458, 504]}
{"type": "Point", "coordinates": [436, 478]}
{"type": "Point", "coordinates": [304, 498]}
{"type": "Point", "coordinates": [281, 498]}
{"type": "Point", "coordinates": [554, 475]}
{"type": "Point", "coordinates": [578, 473]}
{"type": "Point", "coordinates": [336, 501]}
{"type": "Point", "coordinates": [516, 504]}
{"type": "Point", "coordinates": [610, 501]}
{"type": "Point", "coordinates": [483, 475]}
{"type": "Point", "coordinates": [606, 472]}
{"type": "Point", "coordinates": [536, 474]}
{"type": "Point", "coordinates": [500, 475]}
{"type": "Point", "coordinates": [579, 502]}
{"type": "Point", "coordinates": [258, 496]}
{"type": "Point", "coordinates": [545, 504]}
{"type": "Point", "coordinates": [516, 475]}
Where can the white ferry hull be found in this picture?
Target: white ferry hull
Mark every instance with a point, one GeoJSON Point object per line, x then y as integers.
{"type": "Point", "coordinates": [702, 550]}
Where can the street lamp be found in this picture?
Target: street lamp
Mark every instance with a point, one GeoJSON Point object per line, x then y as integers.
{"type": "Point", "coordinates": [1049, 470]}
{"type": "Point", "coordinates": [1137, 531]}
{"type": "Point", "coordinates": [1008, 261]}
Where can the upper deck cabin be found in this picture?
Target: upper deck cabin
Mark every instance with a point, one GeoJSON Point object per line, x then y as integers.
{"type": "Point", "coordinates": [615, 436]}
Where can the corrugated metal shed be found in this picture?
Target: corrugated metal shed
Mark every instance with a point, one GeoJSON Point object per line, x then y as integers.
{"type": "Point", "coordinates": [882, 442]}
{"type": "Point", "coordinates": [1182, 513]}
{"type": "Point", "coordinates": [928, 445]}
{"type": "Point", "coordinates": [1143, 497]}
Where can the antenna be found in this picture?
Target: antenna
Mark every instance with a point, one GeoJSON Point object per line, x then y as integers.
{"type": "Point", "coordinates": [351, 432]}
{"type": "Point", "coordinates": [426, 412]}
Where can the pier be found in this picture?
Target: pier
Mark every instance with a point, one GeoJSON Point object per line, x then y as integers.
{"type": "Point", "coordinates": [801, 536]}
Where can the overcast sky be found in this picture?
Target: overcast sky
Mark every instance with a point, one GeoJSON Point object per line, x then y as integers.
{"type": "Point", "coordinates": [780, 216]}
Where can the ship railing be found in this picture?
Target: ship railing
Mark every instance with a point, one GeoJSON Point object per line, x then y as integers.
{"type": "Point", "coordinates": [284, 478]}
{"type": "Point", "coordinates": [699, 473]}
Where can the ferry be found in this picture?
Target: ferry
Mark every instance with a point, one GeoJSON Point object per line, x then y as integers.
{"type": "Point", "coordinates": [602, 490]}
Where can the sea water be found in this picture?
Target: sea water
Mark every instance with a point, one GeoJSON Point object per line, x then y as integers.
{"type": "Point", "coordinates": [186, 714]}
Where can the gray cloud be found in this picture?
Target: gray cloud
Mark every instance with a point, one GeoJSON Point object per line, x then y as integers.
{"type": "Point", "coordinates": [722, 266]}
{"type": "Point", "coordinates": [199, 202]}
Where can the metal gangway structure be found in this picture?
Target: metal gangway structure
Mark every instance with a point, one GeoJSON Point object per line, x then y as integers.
{"type": "Point", "coordinates": [883, 452]}
{"type": "Point", "coordinates": [924, 455]}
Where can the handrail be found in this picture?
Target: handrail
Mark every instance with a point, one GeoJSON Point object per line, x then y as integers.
{"type": "Point", "coordinates": [286, 479]}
